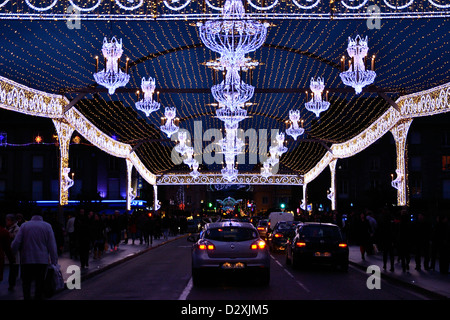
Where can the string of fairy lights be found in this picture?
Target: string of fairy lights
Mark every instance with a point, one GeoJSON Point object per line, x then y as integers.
{"type": "Point", "coordinates": [48, 56]}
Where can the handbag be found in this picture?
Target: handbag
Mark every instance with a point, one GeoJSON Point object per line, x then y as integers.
{"type": "Point", "coordinates": [54, 280]}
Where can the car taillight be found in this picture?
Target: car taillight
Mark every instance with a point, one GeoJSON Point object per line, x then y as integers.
{"type": "Point", "coordinates": [261, 228]}
{"type": "Point", "coordinates": [205, 245]}
{"type": "Point", "coordinates": [342, 245]}
{"type": "Point", "coordinates": [260, 244]}
{"type": "Point", "coordinates": [301, 244]}
{"type": "Point", "coordinates": [278, 235]}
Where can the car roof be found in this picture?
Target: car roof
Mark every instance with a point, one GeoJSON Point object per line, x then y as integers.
{"type": "Point", "coordinates": [229, 223]}
{"type": "Point", "coordinates": [319, 224]}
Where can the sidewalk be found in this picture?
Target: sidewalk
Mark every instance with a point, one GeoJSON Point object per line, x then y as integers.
{"type": "Point", "coordinates": [429, 282]}
{"type": "Point", "coordinates": [108, 260]}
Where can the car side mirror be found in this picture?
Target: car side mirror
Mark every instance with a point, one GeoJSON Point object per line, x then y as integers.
{"type": "Point", "coordinates": [193, 238]}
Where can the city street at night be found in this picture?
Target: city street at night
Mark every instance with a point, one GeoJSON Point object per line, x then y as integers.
{"type": "Point", "coordinates": [225, 158]}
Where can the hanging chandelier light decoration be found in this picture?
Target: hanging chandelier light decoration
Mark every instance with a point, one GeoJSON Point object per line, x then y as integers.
{"type": "Point", "coordinates": [170, 127]}
{"type": "Point", "coordinates": [194, 173]}
{"type": "Point", "coordinates": [317, 105]}
{"type": "Point", "coordinates": [279, 148]}
{"type": "Point", "coordinates": [112, 77]}
{"type": "Point", "coordinates": [233, 36]}
{"type": "Point", "coordinates": [232, 92]}
{"type": "Point", "coordinates": [266, 170]}
{"type": "Point", "coordinates": [294, 130]}
{"type": "Point", "coordinates": [231, 118]}
{"type": "Point", "coordinates": [357, 76]}
{"type": "Point", "coordinates": [189, 160]}
{"type": "Point", "coordinates": [182, 147]}
{"type": "Point", "coordinates": [147, 104]}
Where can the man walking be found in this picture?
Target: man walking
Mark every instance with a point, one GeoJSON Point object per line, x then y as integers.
{"type": "Point", "coordinates": [37, 246]}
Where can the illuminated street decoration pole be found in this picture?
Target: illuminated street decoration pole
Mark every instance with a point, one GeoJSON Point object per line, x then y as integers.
{"type": "Point", "coordinates": [332, 190]}
{"type": "Point", "coordinates": [64, 131]}
{"type": "Point", "coordinates": [305, 197]}
{"type": "Point", "coordinates": [400, 133]}
{"type": "Point", "coordinates": [130, 194]}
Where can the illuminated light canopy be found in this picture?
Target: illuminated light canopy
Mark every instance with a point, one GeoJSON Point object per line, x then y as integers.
{"type": "Point", "coordinates": [112, 77]}
{"type": "Point", "coordinates": [357, 76]}
{"type": "Point", "coordinates": [147, 105]}
{"type": "Point", "coordinates": [316, 105]}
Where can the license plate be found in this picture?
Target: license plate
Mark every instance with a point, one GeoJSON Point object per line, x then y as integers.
{"type": "Point", "coordinates": [237, 265]}
{"type": "Point", "coordinates": [322, 254]}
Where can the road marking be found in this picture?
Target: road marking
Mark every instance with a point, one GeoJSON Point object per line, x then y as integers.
{"type": "Point", "coordinates": [290, 274]}
{"type": "Point", "coordinates": [186, 290]}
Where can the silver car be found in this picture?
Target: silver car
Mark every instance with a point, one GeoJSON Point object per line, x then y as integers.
{"type": "Point", "coordinates": [230, 247]}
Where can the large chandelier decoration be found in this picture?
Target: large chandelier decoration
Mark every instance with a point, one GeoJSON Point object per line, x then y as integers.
{"type": "Point", "coordinates": [112, 77]}
{"type": "Point", "coordinates": [147, 104]}
{"type": "Point", "coordinates": [169, 128]}
{"type": "Point", "coordinates": [357, 76]}
{"type": "Point", "coordinates": [294, 130]}
{"type": "Point", "coordinates": [232, 36]}
{"type": "Point", "coordinates": [317, 104]}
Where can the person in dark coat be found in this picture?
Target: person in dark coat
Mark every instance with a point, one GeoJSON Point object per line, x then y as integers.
{"type": "Point", "coordinates": [387, 233]}
{"type": "Point", "coordinates": [421, 242]}
{"type": "Point", "coordinates": [443, 244]}
{"type": "Point", "coordinates": [82, 230]}
{"type": "Point", "coordinates": [362, 234]}
{"type": "Point", "coordinates": [98, 236]}
{"type": "Point", "coordinates": [404, 240]}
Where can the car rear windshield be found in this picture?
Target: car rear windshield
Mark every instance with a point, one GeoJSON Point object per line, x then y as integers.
{"type": "Point", "coordinates": [229, 234]}
{"type": "Point", "coordinates": [320, 232]}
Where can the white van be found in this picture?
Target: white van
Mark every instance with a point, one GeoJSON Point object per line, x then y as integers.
{"type": "Point", "coordinates": [275, 217]}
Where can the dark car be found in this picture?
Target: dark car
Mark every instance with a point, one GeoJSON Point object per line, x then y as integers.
{"type": "Point", "coordinates": [230, 247]}
{"type": "Point", "coordinates": [316, 242]}
{"type": "Point", "coordinates": [263, 228]}
{"type": "Point", "coordinates": [282, 231]}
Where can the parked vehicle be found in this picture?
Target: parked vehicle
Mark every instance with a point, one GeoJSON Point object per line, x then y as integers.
{"type": "Point", "coordinates": [282, 231]}
{"type": "Point", "coordinates": [316, 242]}
{"type": "Point", "coordinates": [228, 247]}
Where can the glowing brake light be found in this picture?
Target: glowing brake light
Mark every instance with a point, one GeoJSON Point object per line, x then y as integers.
{"type": "Point", "coordinates": [301, 244]}
{"type": "Point", "coordinates": [261, 228]}
{"type": "Point", "coordinates": [278, 235]}
{"type": "Point", "coordinates": [342, 245]}
{"type": "Point", "coordinates": [206, 246]}
{"type": "Point", "coordinates": [260, 244]}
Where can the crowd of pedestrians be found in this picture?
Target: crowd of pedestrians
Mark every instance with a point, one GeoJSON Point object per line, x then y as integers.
{"type": "Point", "coordinates": [30, 245]}
{"type": "Point", "coordinates": [94, 233]}
{"type": "Point", "coordinates": [414, 239]}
